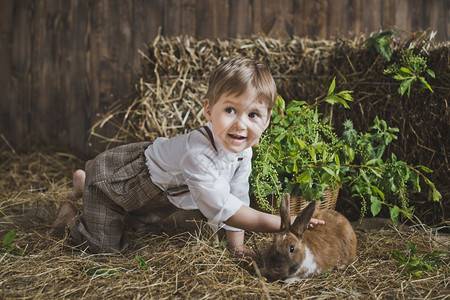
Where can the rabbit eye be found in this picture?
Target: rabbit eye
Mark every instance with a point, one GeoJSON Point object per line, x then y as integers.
{"type": "Point", "coordinates": [291, 249]}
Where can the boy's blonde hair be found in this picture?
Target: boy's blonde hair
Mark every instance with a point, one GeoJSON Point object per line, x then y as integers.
{"type": "Point", "coordinates": [237, 75]}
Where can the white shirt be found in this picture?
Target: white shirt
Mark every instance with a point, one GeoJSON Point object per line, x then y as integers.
{"type": "Point", "coordinates": [196, 176]}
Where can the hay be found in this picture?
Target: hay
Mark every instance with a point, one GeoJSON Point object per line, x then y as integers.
{"type": "Point", "coordinates": [182, 266]}
{"type": "Point", "coordinates": [174, 75]}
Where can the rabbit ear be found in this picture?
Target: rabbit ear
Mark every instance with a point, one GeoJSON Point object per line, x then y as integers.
{"type": "Point", "coordinates": [302, 220]}
{"type": "Point", "coordinates": [285, 213]}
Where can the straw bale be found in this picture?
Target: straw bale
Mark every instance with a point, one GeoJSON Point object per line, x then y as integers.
{"type": "Point", "coordinates": [174, 75]}
{"type": "Point", "coordinates": [186, 265]}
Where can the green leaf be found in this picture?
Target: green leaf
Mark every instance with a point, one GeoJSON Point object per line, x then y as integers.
{"type": "Point", "coordinates": [280, 137]}
{"type": "Point", "coordinates": [364, 175]}
{"type": "Point", "coordinates": [141, 263]}
{"type": "Point", "coordinates": [406, 86]}
{"type": "Point", "coordinates": [375, 208]}
{"type": "Point", "coordinates": [434, 193]}
{"type": "Point", "coordinates": [425, 83]}
{"type": "Point", "coordinates": [372, 161]}
{"type": "Point", "coordinates": [9, 238]}
{"type": "Point", "coordinates": [277, 119]}
{"type": "Point", "coordinates": [399, 257]}
{"type": "Point", "coordinates": [394, 212]}
{"type": "Point", "coordinates": [406, 71]}
{"type": "Point", "coordinates": [346, 95]}
{"type": "Point", "coordinates": [325, 178]}
{"type": "Point", "coordinates": [305, 176]}
{"type": "Point", "coordinates": [280, 103]}
{"type": "Point", "coordinates": [329, 171]}
{"type": "Point", "coordinates": [415, 180]}
{"type": "Point", "coordinates": [312, 152]}
{"type": "Point", "coordinates": [344, 103]}
{"type": "Point", "coordinates": [378, 191]}
{"type": "Point", "coordinates": [418, 274]}
{"type": "Point", "coordinates": [412, 247]}
{"type": "Point", "coordinates": [425, 169]}
{"type": "Point", "coordinates": [350, 153]}
{"type": "Point", "coordinates": [400, 77]}
{"type": "Point", "coordinates": [431, 73]}
{"type": "Point", "coordinates": [295, 105]}
{"type": "Point", "coordinates": [332, 86]}
{"type": "Point", "coordinates": [337, 159]}
{"type": "Point", "coordinates": [408, 212]}
{"type": "Point", "coordinates": [301, 143]}
{"type": "Point", "coordinates": [332, 99]}
{"type": "Point", "coordinates": [375, 171]}
{"type": "Point", "coordinates": [413, 262]}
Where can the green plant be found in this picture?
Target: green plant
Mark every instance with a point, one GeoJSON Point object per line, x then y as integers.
{"type": "Point", "coordinates": [409, 70]}
{"type": "Point", "coordinates": [301, 154]}
{"type": "Point", "coordinates": [294, 154]}
{"type": "Point", "coordinates": [219, 245]}
{"type": "Point", "coordinates": [7, 245]}
{"type": "Point", "coordinates": [416, 264]}
{"type": "Point", "coordinates": [141, 262]}
{"type": "Point", "coordinates": [298, 152]}
{"type": "Point", "coordinates": [381, 43]}
{"type": "Point", "coordinates": [373, 177]}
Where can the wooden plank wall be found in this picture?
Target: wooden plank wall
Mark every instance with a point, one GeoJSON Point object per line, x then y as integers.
{"type": "Point", "coordinates": [62, 62]}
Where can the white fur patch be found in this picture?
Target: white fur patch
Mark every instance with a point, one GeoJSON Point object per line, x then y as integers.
{"type": "Point", "coordinates": [308, 266]}
{"type": "Point", "coordinates": [292, 279]}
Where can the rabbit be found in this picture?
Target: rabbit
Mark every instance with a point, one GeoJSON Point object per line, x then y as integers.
{"type": "Point", "coordinates": [301, 252]}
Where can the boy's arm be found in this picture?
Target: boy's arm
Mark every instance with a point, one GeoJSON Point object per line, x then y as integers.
{"type": "Point", "coordinates": [250, 219]}
{"type": "Point", "coordinates": [235, 240]}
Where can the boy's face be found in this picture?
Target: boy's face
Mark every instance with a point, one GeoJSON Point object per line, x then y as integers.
{"type": "Point", "coordinates": [237, 121]}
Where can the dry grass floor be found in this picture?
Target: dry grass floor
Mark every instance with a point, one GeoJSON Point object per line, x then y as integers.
{"type": "Point", "coordinates": [180, 266]}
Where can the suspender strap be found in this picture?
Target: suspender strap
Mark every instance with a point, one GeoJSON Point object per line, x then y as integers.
{"type": "Point", "coordinates": [210, 135]}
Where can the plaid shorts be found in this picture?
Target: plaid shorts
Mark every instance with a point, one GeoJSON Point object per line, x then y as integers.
{"type": "Point", "coordinates": [119, 192]}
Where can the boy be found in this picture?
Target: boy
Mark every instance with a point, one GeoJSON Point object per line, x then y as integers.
{"type": "Point", "coordinates": [142, 184]}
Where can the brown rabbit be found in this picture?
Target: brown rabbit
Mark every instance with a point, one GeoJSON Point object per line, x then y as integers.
{"type": "Point", "coordinates": [298, 252]}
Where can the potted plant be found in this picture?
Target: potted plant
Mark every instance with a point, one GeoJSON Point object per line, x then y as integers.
{"type": "Point", "coordinates": [301, 154]}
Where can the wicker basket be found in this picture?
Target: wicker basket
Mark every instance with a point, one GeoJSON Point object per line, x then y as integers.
{"type": "Point", "coordinates": [297, 204]}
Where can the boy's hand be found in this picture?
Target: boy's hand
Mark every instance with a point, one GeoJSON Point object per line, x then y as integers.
{"type": "Point", "coordinates": [315, 221]}
{"type": "Point", "coordinates": [312, 222]}
{"type": "Point", "coordinates": [242, 251]}
{"type": "Point", "coordinates": [235, 240]}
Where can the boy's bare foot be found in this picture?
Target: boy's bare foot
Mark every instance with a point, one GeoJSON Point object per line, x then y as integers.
{"type": "Point", "coordinates": [66, 218]}
{"type": "Point", "coordinates": [79, 177]}
{"type": "Point", "coordinates": [68, 212]}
